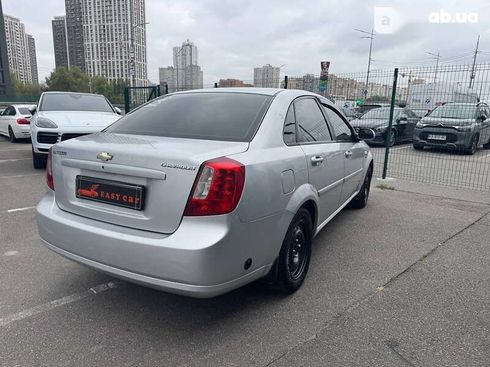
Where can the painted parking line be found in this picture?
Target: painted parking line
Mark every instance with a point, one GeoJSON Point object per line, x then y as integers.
{"type": "Point", "coordinates": [16, 149]}
{"type": "Point", "coordinates": [484, 156]}
{"type": "Point", "coordinates": [401, 148]}
{"type": "Point", "coordinates": [4, 321]}
{"type": "Point", "coordinates": [14, 160]}
{"type": "Point", "coordinates": [26, 175]}
{"type": "Point", "coordinates": [21, 209]}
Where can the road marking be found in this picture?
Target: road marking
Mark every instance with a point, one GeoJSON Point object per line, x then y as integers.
{"type": "Point", "coordinates": [10, 253]}
{"type": "Point", "coordinates": [14, 160]}
{"type": "Point", "coordinates": [401, 148]}
{"type": "Point", "coordinates": [27, 175]}
{"type": "Point", "coordinates": [20, 209]}
{"type": "Point", "coordinates": [484, 156]}
{"type": "Point", "coordinates": [4, 321]}
{"type": "Point", "coordinates": [9, 149]}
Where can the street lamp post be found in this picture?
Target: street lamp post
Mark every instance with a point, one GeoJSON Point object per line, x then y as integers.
{"type": "Point", "coordinates": [370, 36]}
{"type": "Point", "coordinates": [437, 57]}
{"type": "Point", "coordinates": [132, 68]}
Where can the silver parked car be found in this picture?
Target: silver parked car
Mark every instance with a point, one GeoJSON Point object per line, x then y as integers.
{"type": "Point", "coordinates": [201, 192]}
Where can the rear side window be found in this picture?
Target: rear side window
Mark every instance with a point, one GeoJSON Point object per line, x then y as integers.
{"type": "Point", "coordinates": [341, 129]}
{"type": "Point", "coordinates": [24, 111]}
{"type": "Point", "coordinates": [209, 116]}
{"type": "Point", "coordinates": [312, 126]}
{"type": "Point", "coordinates": [290, 127]}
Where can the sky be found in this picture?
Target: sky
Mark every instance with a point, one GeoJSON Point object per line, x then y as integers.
{"type": "Point", "coordinates": [234, 36]}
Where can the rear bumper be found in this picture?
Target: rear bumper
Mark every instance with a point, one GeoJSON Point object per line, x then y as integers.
{"type": "Point", "coordinates": [454, 139]}
{"type": "Point", "coordinates": [203, 258]}
{"type": "Point", "coordinates": [21, 131]}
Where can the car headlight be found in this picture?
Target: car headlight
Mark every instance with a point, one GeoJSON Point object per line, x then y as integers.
{"type": "Point", "coordinates": [45, 123]}
{"type": "Point", "coordinates": [419, 125]}
{"type": "Point", "coordinates": [380, 129]}
{"type": "Point", "coordinates": [463, 128]}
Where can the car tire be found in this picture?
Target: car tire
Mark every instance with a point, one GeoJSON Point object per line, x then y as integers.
{"type": "Point", "coordinates": [392, 140]}
{"type": "Point", "coordinates": [12, 137]}
{"type": "Point", "coordinates": [473, 146]}
{"type": "Point", "coordinates": [487, 145]}
{"type": "Point", "coordinates": [418, 146]}
{"type": "Point", "coordinates": [39, 160]}
{"type": "Point", "coordinates": [360, 200]}
{"type": "Point", "coordinates": [294, 257]}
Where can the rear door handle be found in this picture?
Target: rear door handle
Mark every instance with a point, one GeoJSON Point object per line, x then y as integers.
{"type": "Point", "coordinates": [348, 154]}
{"type": "Point", "coordinates": [317, 160]}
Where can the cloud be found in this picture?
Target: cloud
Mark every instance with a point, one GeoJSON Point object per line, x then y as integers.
{"type": "Point", "coordinates": [235, 36]}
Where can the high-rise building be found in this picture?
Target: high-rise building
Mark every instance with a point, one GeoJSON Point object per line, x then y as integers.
{"type": "Point", "coordinates": [188, 74]}
{"type": "Point", "coordinates": [75, 32]}
{"type": "Point", "coordinates": [60, 42]}
{"type": "Point", "coordinates": [33, 58]}
{"type": "Point", "coordinates": [5, 82]}
{"type": "Point", "coordinates": [166, 77]}
{"type": "Point", "coordinates": [18, 49]}
{"type": "Point", "coordinates": [266, 76]}
{"type": "Point", "coordinates": [114, 38]}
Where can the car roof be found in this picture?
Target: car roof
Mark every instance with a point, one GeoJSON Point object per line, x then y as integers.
{"type": "Point", "coordinates": [77, 93]}
{"type": "Point", "coordinates": [474, 104]}
{"type": "Point", "coordinates": [22, 105]}
{"type": "Point", "coordinates": [249, 90]}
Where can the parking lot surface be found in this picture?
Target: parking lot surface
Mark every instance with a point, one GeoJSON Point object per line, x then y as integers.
{"type": "Point", "coordinates": [436, 166]}
{"type": "Point", "coordinates": [403, 282]}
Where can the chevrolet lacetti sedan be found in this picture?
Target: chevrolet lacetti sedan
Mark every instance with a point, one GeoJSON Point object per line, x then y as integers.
{"type": "Point", "coordinates": [201, 192]}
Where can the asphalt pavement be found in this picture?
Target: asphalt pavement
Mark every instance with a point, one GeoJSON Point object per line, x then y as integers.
{"type": "Point", "coordinates": [403, 282]}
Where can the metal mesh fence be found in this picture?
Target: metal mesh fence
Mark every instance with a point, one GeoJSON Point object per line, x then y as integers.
{"type": "Point", "coordinates": [440, 125]}
{"type": "Point", "coordinates": [448, 144]}
{"type": "Point", "coordinates": [440, 128]}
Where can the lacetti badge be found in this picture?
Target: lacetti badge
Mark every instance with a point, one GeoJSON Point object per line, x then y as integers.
{"type": "Point", "coordinates": [104, 156]}
{"type": "Point", "coordinates": [178, 166]}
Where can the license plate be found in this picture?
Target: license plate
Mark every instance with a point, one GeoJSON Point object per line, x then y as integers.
{"type": "Point", "coordinates": [110, 192]}
{"type": "Point", "coordinates": [437, 137]}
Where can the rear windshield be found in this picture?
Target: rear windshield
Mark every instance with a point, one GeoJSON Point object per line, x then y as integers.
{"type": "Point", "coordinates": [210, 116]}
{"type": "Point", "coordinates": [74, 102]}
{"type": "Point", "coordinates": [455, 111]}
{"type": "Point", "coordinates": [382, 113]}
{"type": "Point", "coordinates": [24, 111]}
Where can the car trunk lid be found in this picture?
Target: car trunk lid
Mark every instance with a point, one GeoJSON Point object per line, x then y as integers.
{"type": "Point", "coordinates": [165, 167]}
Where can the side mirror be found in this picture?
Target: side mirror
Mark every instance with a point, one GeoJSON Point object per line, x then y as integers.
{"type": "Point", "coordinates": [366, 134]}
{"type": "Point", "coordinates": [402, 120]}
{"type": "Point", "coordinates": [118, 110]}
{"type": "Point", "coordinates": [32, 109]}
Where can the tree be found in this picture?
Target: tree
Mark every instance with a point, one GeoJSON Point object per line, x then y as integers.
{"type": "Point", "coordinates": [113, 90]}
{"type": "Point", "coordinates": [24, 89]}
{"type": "Point", "coordinates": [74, 80]}
{"type": "Point", "coordinates": [68, 80]}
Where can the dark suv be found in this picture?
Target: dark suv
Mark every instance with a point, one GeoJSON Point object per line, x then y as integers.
{"type": "Point", "coordinates": [463, 126]}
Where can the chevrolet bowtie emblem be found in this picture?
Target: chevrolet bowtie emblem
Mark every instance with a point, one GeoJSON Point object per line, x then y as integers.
{"type": "Point", "coordinates": [104, 156]}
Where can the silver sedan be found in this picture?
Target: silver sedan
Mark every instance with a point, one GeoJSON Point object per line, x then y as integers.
{"type": "Point", "coordinates": [201, 192]}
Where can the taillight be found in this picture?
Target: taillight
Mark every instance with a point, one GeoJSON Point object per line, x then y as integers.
{"type": "Point", "coordinates": [217, 189]}
{"type": "Point", "coordinates": [49, 171]}
{"type": "Point", "coordinates": [23, 121]}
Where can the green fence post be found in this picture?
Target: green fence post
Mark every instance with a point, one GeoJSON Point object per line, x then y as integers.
{"type": "Point", "coordinates": [390, 124]}
{"type": "Point", "coordinates": [126, 100]}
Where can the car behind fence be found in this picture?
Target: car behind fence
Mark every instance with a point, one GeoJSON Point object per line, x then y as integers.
{"type": "Point", "coordinates": [432, 124]}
